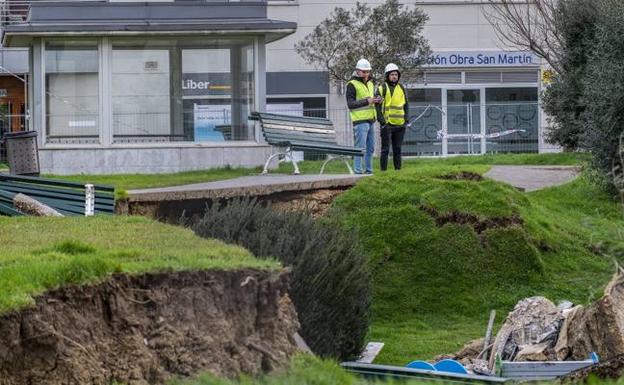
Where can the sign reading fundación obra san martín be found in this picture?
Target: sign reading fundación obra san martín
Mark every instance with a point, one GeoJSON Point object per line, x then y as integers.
{"type": "Point", "coordinates": [483, 59]}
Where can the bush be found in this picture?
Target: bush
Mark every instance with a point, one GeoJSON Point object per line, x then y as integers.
{"type": "Point", "coordinates": [562, 100]}
{"type": "Point", "coordinates": [330, 281]}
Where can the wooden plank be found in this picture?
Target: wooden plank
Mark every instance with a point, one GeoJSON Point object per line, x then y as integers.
{"type": "Point", "coordinates": [277, 131]}
{"type": "Point", "coordinates": [371, 351]}
{"type": "Point", "coordinates": [298, 128]}
{"type": "Point", "coordinates": [326, 146]}
{"type": "Point", "coordinates": [289, 118]}
{"type": "Point", "coordinates": [302, 138]}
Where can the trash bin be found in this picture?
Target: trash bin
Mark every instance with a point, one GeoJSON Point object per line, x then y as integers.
{"type": "Point", "coordinates": [22, 152]}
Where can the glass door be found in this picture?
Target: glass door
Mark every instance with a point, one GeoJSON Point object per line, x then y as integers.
{"type": "Point", "coordinates": [424, 122]}
{"type": "Point", "coordinates": [463, 110]}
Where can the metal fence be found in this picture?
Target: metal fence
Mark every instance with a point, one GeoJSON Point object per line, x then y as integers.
{"type": "Point", "coordinates": [432, 130]}
{"type": "Point", "coordinates": [455, 129]}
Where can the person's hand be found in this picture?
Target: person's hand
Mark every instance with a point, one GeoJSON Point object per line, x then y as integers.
{"type": "Point", "coordinates": [370, 100]}
{"type": "Point", "coordinates": [378, 99]}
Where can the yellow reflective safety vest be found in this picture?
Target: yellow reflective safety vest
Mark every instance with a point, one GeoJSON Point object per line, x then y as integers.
{"type": "Point", "coordinates": [394, 105]}
{"type": "Point", "coordinates": [363, 91]}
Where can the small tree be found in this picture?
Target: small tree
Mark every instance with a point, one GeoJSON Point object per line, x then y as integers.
{"type": "Point", "coordinates": [528, 26]}
{"type": "Point", "coordinates": [562, 100]}
{"type": "Point", "coordinates": [387, 33]}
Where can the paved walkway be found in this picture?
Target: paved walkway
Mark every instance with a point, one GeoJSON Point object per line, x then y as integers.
{"type": "Point", "coordinates": [531, 178]}
{"type": "Point", "coordinates": [256, 185]}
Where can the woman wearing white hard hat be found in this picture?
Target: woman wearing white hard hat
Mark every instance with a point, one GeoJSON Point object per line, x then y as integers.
{"type": "Point", "coordinates": [391, 115]}
{"type": "Point", "coordinates": [361, 101]}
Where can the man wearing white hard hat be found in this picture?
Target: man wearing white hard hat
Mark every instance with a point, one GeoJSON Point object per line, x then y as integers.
{"type": "Point", "coordinates": [391, 115]}
{"type": "Point", "coordinates": [361, 101]}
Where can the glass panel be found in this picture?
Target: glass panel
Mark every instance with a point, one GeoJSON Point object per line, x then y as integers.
{"type": "Point", "coordinates": [72, 101]}
{"type": "Point", "coordinates": [183, 90]}
{"type": "Point", "coordinates": [141, 95]}
{"type": "Point", "coordinates": [421, 135]}
{"type": "Point", "coordinates": [513, 114]}
{"type": "Point", "coordinates": [463, 121]}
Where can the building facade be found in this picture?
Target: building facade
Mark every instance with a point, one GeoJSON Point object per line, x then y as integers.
{"type": "Point", "coordinates": [471, 86]}
{"type": "Point", "coordinates": [124, 86]}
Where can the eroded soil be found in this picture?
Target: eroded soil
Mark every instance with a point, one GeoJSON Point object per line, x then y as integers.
{"type": "Point", "coordinates": [145, 329]}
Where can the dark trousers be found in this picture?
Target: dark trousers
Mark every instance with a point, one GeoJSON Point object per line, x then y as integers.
{"type": "Point", "coordinates": [395, 134]}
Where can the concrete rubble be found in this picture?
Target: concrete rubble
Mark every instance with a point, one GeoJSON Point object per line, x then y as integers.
{"type": "Point", "coordinates": [538, 330]}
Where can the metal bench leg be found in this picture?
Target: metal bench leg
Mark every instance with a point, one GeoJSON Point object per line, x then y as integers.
{"type": "Point", "coordinates": [329, 159]}
{"type": "Point", "coordinates": [346, 160]}
{"type": "Point", "coordinates": [343, 158]}
{"type": "Point", "coordinates": [292, 159]}
{"type": "Point", "coordinates": [265, 170]}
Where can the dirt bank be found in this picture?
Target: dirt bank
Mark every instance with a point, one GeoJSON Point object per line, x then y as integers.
{"type": "Point", "coordinates": [145, 329]}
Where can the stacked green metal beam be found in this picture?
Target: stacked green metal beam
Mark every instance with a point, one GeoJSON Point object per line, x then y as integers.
{"type": "Point", "coordinates": [68, 198]}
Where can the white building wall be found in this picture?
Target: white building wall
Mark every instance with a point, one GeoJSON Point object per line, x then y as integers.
{"type": "Point", "coordinates": [454, 25]}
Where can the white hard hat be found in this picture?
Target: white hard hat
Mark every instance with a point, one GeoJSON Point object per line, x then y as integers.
{"type": "Point", "coordinates": [363, 65]}
{"type": "Point", "coordinates": [391, 67]}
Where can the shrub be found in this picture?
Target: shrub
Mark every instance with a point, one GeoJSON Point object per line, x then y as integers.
{"type": "Point", "coordinates": [330, 281]}
{"type": "Point", "coordinates": [576, 22]}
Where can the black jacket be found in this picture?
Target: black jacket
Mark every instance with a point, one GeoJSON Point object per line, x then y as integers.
{"type": "Point", "coordinates": [352, 102]}
{"type": "Point", "coordinates": [391, 86]}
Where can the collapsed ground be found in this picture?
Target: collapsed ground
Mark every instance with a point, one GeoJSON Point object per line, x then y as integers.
{"type": "Point", "coordinates": [446, 247]}
{"type": "Point", "coordinates": [129, 300]}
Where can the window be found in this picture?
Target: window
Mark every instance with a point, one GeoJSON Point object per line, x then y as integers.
{"type": "Point", "coordinates": [421, 137]}
{"type": "Point", "coordinates": [141, 95]}
{"type": "Point", "coordinates": [512, 109]}
{"type": "Point", "coordinates": [183, 90]}
{"type": "Point", "coordinates": [71, 86]}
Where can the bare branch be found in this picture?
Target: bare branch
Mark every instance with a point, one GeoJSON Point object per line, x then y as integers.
{"type": "Point", "coordinates": [529, 26]}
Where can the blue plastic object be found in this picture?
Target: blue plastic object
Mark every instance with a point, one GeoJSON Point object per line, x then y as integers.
{"type": "Point", "coordinates": [420, 365]}
{"type": "Point", "coordinates": [594, 357]}
{"type": "Point", "coordinates": [450, 366]}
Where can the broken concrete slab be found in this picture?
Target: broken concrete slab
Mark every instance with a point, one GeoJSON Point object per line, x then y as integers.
{"type": "Point", "coordinates": [533, 320]}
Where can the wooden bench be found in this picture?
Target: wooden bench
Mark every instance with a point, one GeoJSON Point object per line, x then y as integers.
{"type": "Point", "coordinates": [68, 198]}
{"type": "Point", "coordinates": [293, 133]}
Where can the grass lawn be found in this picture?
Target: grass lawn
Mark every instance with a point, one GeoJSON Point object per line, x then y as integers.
{"type": "Point", "coordinates": [434, 285]}
{"type": "Point", "coordinates": [124, 182]}
{"type": "Point", "coordinates": [38, 254]}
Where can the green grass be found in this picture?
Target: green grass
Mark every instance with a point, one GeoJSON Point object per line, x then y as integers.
{"type": "Point", "coordinates": [303, 370]}
{"type": "Point", "coordinates": [124, 182]}
{"type": "Point", "coordinates": [336, 166]}
{"type": "Point", "coordinates": [39, 254]}
{"type": "Point", "coordinates": [434, 286]}
{"type": "Point", "coordinates": [309, 370]}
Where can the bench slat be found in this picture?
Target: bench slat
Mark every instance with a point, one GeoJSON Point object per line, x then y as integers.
{"type": "Point", "coordinates": [279, 137]}
{"type": "Point", "coordinates": [307, 134]}
{"type": "Point", "coordinates": [292, 127]}
{"type": "Point", "coordinates": [291, 118]}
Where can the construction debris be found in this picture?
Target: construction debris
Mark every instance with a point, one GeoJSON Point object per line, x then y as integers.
{"type": "Point", "coordinates": [598, 327]}
{"type": "Point", "coordinates": [29, 206]}
{"type": "Point", "coordinates": [534, 320]}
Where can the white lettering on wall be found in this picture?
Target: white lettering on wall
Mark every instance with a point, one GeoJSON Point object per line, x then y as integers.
{"type": "Point", "coordinates": [190, 84]}
{"type": "Point", "coordinates": [482, 59]}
